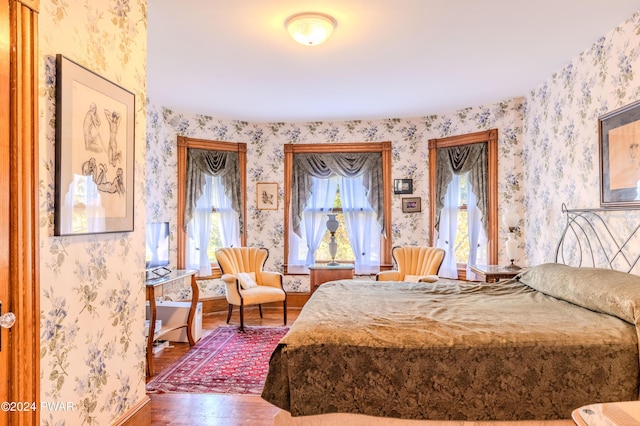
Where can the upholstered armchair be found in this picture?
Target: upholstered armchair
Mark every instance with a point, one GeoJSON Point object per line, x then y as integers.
{"type": "Point", "coordinates": [246, 283]}
{"type": "Point", "coordinates": [415, 263]}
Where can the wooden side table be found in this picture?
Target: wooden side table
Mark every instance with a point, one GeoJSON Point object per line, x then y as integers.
{"type": "Point", "coordinates": [494, 273]}
{"type": "Point", "coordinates": [154, 334]}
{"type": "Point", "coordinates": [319, 274]}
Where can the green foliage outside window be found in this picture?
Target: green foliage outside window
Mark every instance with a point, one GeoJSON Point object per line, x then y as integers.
{"type": "Point", "coordinates": [215, 241]}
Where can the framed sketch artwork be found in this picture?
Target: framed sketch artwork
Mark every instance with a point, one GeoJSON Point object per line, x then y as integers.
{"type": "Point", "coordinates": [267, 196]}
{"type": "Point", "coordinates": [619, 132]}
{"type": "Point", "coordinates": [95, 121]}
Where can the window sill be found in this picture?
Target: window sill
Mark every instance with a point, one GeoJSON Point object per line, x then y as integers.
{"type": "Point", "coordinates": [215, 274]}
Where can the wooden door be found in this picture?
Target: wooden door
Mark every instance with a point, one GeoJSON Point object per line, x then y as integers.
{"type": "Point", "coordinates": [4, 199]}
{"type": "Point", "coordinates": [19, 255]}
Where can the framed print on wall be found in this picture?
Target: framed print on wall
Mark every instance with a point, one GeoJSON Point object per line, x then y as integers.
{"type": "Point", "coordinates": [411, 205]}
{"type": "Point", "coordinates": [94, 169]}
{"type": "Point", "coordinates": [403, 186]}
{"type": "Point", "coordinates": [267, 196]}
{"type": "Point", "coordinates": [619, 134]}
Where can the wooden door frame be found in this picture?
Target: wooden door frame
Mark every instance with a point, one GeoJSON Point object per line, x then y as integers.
{"type": "Point", "coordinates": [20, 122]}
{"type": "Point", "coordinates": [184, 143]}
{"type": "Point", "coordinates": [4, 195]}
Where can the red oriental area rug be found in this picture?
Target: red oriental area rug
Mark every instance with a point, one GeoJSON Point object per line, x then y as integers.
{"type": "Point", "coordinates": [225, 361]}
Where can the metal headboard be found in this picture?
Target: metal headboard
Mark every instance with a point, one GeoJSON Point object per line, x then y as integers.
{"type": "Point", "coordinates": [587, 237]}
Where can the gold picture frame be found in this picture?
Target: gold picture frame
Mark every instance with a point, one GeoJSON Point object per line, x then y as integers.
{"type": "Point", "coordinates": [267, 196]}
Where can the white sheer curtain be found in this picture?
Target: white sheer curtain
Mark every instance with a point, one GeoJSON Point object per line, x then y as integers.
{"type": "Point", "coordinates": [229, 221]}
{"type": "Point", "coordinates": [448, 229]}
{"type": "Point", "coordinates": [302, 251]}
{"type": "Point", "coordinates": [153, 233]}
{"type": "Point", "coordinates": [362, 227]}
{"type": "Point", "coordinates": [477, 236]}
{"type": "Point", "coordinates": [199, 228]}
{"type": "Point", "coordinates": [198, 231]}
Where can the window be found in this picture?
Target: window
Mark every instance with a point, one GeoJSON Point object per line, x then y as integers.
{"type": "Point", "coordinates": [361, 244]}
{"type": "Point", "coordinates": [458, 166]}
{"type": "Point", "coordinates": [345, 252]}
{"type": "Point", "coordinates": [355, 211]}
{"type": "Point", "coordinates": [461, 233]}
{"type": "Point", "coordinates": [215, 219]}
{"type": "Point", "coordinates": [215, 224]}
{"type": "Point", "coordinates": [461, 244]}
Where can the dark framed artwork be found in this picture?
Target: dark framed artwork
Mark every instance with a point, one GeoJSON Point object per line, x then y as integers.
{"type": "Point", "coordinates": [619, 134]}
{"type": "Point", "coordinates": [411, 205]}
{"type": "Point", "coordinates": [403, 186]}
{"type": "Point", "coordinates": [95, 140]}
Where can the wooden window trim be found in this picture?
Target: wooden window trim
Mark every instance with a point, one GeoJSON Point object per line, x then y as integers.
{"type": "Point", "coordinates": [491, 138]}
{"type": "Point", "coordinates": [382, 147]}
{"type": "Point", "coordinates": [184, 143]}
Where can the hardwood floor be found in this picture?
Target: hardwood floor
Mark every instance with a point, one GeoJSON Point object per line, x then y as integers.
{"type": "Point", "coordinates": [209, 409]}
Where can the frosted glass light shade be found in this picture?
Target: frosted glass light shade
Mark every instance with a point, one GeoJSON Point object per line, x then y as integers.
{"type": "Point", "coordinates": [310, 29]}
{"type": "Point", "coordinates": [332, 223]}
{"type": "Point", "coordinates": [510, 218]}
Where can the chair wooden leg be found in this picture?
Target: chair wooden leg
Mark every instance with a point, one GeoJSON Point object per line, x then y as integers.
{"type": "Point", "coordinates": [284, 306]}
{"type": "Point", "coordinates": [260, 309]}
{"type": "Point", "coordinates": [241, 318]}
{"type": "Point", "coordinates": [229, 314]}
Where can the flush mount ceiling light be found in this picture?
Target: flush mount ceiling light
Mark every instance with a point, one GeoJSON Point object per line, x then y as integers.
{"type": "Point", "coordinates": [309, 28]}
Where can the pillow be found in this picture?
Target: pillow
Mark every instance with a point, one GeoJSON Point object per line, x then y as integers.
{"type": "Point", "coordinates": [247, 280]}
{"type": "Point", "coordinates": [602, 290]}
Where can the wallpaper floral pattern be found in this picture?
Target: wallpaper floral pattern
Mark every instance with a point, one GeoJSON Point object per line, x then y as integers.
{"type": "Point", "coordinates": [265, 163]}
{"type": "Point", "coordinates": [561, 137]}
{"type": "Point", "coordinates": [92, 289]}
{"type": "Point", "coordinates": [92, 298]}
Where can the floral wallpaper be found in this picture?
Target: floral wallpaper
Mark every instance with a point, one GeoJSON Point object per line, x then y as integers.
{"type": "Point", "coordinates": [92, 288]}
{"type": "Point", "coordinates": [561, 137]}
{"type": "Point", "coordinates": [265, 163]}
{"type": "Point", "coordinates": [92, 298]}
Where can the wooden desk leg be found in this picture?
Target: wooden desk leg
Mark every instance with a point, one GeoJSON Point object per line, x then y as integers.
{"type": "Point", "coordinates": [195, 293]}
{"type": "Point", "coordinates": [151, 297]}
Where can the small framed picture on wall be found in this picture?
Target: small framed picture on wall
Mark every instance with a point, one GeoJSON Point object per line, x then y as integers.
{"type": "Point", "coordinates": [411, 205]}
{"type": "Point", "coordinates": [403, 186]}
{"type": "Point", "coordinates": [267, 196]}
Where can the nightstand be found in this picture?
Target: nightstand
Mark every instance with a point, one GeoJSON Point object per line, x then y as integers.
{"type": "Point", "coordinates": [321, 273]}
{"type": "Point", "coordinates": [494, 273]}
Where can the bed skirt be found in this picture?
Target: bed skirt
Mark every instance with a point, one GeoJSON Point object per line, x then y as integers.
{"type": "Point", "coordinates": [283, 418]}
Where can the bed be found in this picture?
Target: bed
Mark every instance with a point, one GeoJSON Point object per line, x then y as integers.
{"type": "Point", "coordinates": [532, 348]}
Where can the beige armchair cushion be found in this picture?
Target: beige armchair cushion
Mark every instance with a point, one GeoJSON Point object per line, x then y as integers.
{"type": "Point", "coordinates": [415, 263]}
{"type": "Point", "coordinates": [421, 278]}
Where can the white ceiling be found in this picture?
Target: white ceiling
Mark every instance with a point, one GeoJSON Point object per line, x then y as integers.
{"type": "Point", "coordinates": [233, 59]}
